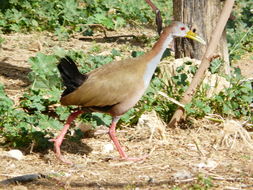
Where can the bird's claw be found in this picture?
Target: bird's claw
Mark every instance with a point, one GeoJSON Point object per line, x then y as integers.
{"type": "Point", "coordinates": [52, 140]}
{"type": "Point", "coordinates": [57, 144]}
{"type": "Point", "coordinates": [61, 158]}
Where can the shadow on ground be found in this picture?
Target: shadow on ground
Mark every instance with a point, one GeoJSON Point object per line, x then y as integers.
{"type": "Point", "coordinates": [10, 71]}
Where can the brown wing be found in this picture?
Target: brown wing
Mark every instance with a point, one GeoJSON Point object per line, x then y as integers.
{"type": "Point", "coordinates": [108, 85]}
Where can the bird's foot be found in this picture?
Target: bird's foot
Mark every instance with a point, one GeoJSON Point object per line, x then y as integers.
{"type": "Point", "coordinates": [61, 158]}
{"type": "Point", "coordinates": [57, 149]}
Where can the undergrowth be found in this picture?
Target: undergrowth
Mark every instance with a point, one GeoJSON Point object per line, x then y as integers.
{"type": "Point", "coordinates": [64, 17]}
{"type": "Point", "coordinates": [39, 113]}
{"type": "Point", "coordinates": [240, 30]}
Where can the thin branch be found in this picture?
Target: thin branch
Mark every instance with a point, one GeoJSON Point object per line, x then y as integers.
{"type": "Point", "coordinates": [105, 38]}
{"type": "Point", "coordinates": [205, 63]}
{"type": "Point", "coordinates": [171, 99]}
{"type": "Point", "coordinates": [158, 20]}
{"type": "Point", "coordinates": [240, 41]}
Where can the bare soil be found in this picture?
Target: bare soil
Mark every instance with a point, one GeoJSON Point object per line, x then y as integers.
{"type": "Point", "coordinates": [176, 161]}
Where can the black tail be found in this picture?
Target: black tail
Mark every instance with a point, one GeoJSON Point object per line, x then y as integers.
{"type": "Point", "coordinates": [72, 78]}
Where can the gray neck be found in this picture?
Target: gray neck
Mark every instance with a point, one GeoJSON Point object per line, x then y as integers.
{"type": "Point", "coordinates": [151, 66]}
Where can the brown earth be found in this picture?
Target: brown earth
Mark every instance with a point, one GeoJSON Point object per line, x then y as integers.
{"type": "Point", "coordinates": [177, 161]}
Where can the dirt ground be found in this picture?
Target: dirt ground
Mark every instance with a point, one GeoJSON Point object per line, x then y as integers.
{"type": "Point", "coordinates": [177, 160]}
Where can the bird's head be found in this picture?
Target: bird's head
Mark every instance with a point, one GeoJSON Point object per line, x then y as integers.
{"type": "Point", "coordinates": [179, 29]}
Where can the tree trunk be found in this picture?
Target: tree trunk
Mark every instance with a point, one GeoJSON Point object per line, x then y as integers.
{"type": "Point", "coordinates": [201, 15]}
{"type": "Point", "coordinates": [205, 62]}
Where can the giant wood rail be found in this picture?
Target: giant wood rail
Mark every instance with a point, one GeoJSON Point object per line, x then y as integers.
{"type": "Point", "coordinates": [116, 87]}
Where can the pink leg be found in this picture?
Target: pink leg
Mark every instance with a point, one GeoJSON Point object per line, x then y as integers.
{"type": "Point", "coordinates": [114, 138]}
{"type": "Point", "coordinates": [60, 137]}
{"type": "Point", "coordinates": [116, 142]}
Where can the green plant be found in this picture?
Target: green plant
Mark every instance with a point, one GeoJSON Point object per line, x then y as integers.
{"type": "Point", "coordinates": [18, 127]}
{"type": "Point", "coordinates": [203, 183]}
{"type": "Point", "coordinates": [230, 102]}
{"type": "Point", "coordinates": [68, 16]}
{"type": "Point", "coordinates": [240, 30]}
{"type": "Point", "coordinates": [2, 40]}
{"type": "Point", "coordinates": [215, 66]}
{"type": "Point", "coordinates": [30, 121]}
{"type": "Point", "coordinates": [176, 188]}
{"type": "Point", "coordinates": [235, 100]}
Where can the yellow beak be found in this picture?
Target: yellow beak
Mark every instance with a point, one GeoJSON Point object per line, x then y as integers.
{"type": "Point", "coordinates": [194, 36]}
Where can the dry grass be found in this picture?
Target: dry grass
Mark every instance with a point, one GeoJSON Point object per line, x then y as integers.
{"type": "Point", "coordinates": [193, 150]}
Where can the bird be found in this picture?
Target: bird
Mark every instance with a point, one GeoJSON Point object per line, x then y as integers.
{"type": "Point", "coordinates": [115, 87]}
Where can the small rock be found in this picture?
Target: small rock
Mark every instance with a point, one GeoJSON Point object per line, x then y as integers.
{"type": "Point", "coordinates": [16, 154]}
{"type": "Point", "coordinates": [35, 46]}
{"type": "Point", "coordinates": [67, 174]}
{"type": "Point", "coordinates": [151, 180]}
{"type": "Point", "coordinates": [107, 148]}
{"type": "Point", "coordinates": [20, 187]}
{"type": "Point", "coordinates": [192, 147]}
{"type": "Point", "coordinates": [12, 166]}
{"type": "Point", "coordinates": [182, 174]}
{"type": "Point", "coordinates": [209, 164]}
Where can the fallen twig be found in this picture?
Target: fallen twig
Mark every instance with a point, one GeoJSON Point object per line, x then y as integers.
{"type": "Point", "coordinates": [219, 178]}
{"type": "Point", "coordinates": [186, 180]}
{"type": "Point", "coordinates": [198, 147]}
{"type": "Point", "coordinates": [171, 99]}
{"type": "Point", "coordinates": [81, 37]}
{"type": "Point", "coordinates": [22, 179]}
{"type": "Point", "coordinates": [214, 117]}
{"type": "Point", "coordinates": [105, 38]}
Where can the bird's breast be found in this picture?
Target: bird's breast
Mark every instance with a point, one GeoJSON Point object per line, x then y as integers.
{"type": "Point", "coordinates": [150, 69]}
{"type": "Point", "coordinates": [127, 103]}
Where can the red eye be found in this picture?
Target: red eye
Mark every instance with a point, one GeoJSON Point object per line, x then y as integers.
{"type": "Point", "coordinates": [182, 28]}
